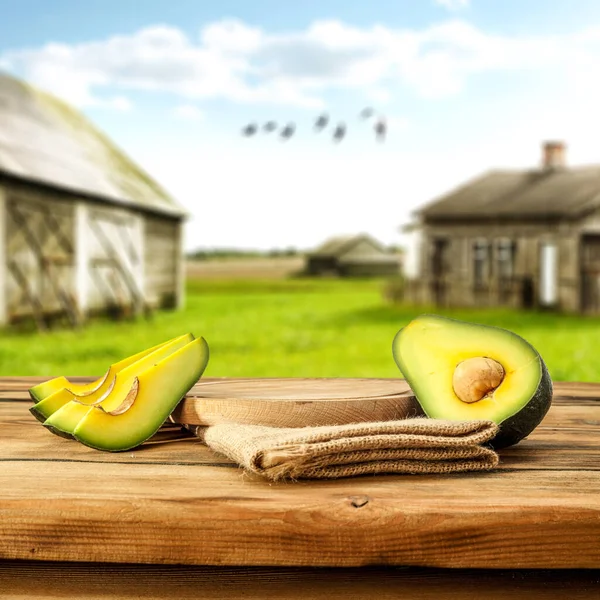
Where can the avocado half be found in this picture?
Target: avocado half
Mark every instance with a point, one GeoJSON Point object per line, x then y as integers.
{"type": "Point", "coordinates": [464, 371]}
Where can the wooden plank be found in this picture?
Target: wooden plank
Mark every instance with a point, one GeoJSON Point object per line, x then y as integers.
{"type": "Point", "coordinates": [553, 445]}
{"type": "Point", "coordinates": [25, 440]}
{"type": "Point", "coordinates": [50, 581]}
{"type": "Point", "coordinates": [568, 439]}
{"type": "Point", "coordinates": [181, 514]}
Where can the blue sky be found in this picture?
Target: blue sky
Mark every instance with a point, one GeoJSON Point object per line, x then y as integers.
{"type": "Point", "coordinates": [465, 85]}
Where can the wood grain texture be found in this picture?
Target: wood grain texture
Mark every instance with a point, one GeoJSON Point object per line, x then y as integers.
{"type": "Point", "coordinates": [51, 581]}
{"type": "Point", "coordinates": [172, 501]}
{"type": "Point", "coordinates": [212, 515]}
{"type": "Point", "coordinates": [297, 402]}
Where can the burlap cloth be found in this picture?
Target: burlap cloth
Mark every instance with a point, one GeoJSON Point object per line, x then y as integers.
{"type": "Point", "coordinates": [414, 446]}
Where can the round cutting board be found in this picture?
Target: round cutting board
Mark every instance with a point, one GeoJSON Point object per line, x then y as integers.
{"type": "Point", "coordinates": [296, 402]}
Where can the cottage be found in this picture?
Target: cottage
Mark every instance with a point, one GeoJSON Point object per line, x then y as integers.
{"type": "Point", "coordinates": [82, 228]}
{"type": "Point", "coordinates": [518, 238]}
{"type": "Point", "coordinates": [357, 255]}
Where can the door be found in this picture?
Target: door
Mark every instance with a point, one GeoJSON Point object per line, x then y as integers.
{"type": "Point", "coordinates": [439, 270]}
{"type": "Point", "coordinates": [506, 252]}
{"type": "Point", "coordinates": [548, 289]}
{"type": "Point", "coordinates": [114, 241]}
{"type": "Point", "coordinates": [590, 273]}
{"type": "Point", "coordinates": [40, 259]}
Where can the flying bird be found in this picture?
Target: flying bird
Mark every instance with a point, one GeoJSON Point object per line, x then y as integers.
{"type": "Point", "coordinates": [366, 113]}
{"type": "Point", "coordinates": [321, 122]}
{"type": "Point", "coordinates": [339, 133]}
{"type": "Point", "coordinates": [249, 130]}
{"type": "Point", "coordinates": [288, 131]}
{"type": "Point", "coordinates": [270, 126]}
{"type": "Point", "coordinates": [380, 129]}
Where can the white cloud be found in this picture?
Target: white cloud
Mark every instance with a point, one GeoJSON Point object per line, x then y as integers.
{"type": "Point", "coordinates": [453, 4]}
{"type": "Point", "coordinates": [397, 123]}
{"type": "Point", "coordinates": [379, 96]}
{"type": "Point", "coordinates": [119, 103]}
{"type": "Point", "coordinates": [231, 60]}
{"type": "Point", "coordinates": [188, 112]}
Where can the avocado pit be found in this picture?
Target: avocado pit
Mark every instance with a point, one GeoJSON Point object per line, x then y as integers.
{"type": "Point", "coordinates": [477, 378]}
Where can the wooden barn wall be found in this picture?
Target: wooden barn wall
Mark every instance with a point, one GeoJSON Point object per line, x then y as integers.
{"type": "Point", "coordinates": [458, 283]}
{"type": "Point", "coordinates": [163, 261]}
{"type": "Point", "coordinates": [39, 248]}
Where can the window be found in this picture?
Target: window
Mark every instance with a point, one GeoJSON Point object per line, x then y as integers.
{"type": "Point", "coordinates": [505, 258]}
{"type": "Point", "coordinates": [481, 263]}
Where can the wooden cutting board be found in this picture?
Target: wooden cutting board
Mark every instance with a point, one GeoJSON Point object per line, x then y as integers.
{"type": "Point", "coordinates": [298, 402]}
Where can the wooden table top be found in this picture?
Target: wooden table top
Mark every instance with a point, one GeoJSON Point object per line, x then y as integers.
{"type": "Point", "coordinates": [173, 501]}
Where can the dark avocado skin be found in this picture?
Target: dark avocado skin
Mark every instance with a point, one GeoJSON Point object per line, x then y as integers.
{"type": "Point", "coordinates": [37, 414]}
{"type": "Point", "coordinates": [58, 432]}
{"type": "Point", "coordinates": [521, 424]}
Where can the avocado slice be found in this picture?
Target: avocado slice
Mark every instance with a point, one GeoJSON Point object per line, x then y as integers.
{"type": "Point", "coordinates": [134, 412]}
{"type": "Point", "coordinates": [464, 371]}
{"type": "Point", "coordinates": [67, 410]}
{"type": "Point", "coordinates": [43, 390]}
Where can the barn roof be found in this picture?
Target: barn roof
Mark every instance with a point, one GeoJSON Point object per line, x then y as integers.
{"type": "Point", "coordinates": [45, 141]}
{"type": "Point", "coordinates": [549, 193]}
{"type": "Point", "coordinates": [339, 245]}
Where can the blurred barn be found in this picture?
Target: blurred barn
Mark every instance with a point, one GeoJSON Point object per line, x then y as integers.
{"type": "Point", "coordinates": [527, 238]}
{"type": "Point", "coordinates": [82, 228]}
{"type": "Point", "coordinates": [358, 255]}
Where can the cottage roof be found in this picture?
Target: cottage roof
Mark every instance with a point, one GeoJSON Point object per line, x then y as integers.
{"type": "Point", "coordinates": [45, 141]}
{"type": "Point", "coordinates": [339, 245]}
{"type": "Point", "coordinates": [550, 193]}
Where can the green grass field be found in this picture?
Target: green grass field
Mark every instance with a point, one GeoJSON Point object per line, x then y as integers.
{"type": "Point", "coordinates": [289, 328]}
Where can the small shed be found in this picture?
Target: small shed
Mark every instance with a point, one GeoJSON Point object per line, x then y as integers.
{"type": "Point", "coordinates": [358, 255]}
{"type": "Point", "coordinates": [82, 228]}
{"type": "Point", "coordinates": [519, 238]}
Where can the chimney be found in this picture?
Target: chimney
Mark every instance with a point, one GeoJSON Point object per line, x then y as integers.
{"type": "Point", "coordinates": [553, 155]}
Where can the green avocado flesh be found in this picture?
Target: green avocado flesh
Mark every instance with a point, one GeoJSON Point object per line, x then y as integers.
{"type": "Point", "coordinates": [147, 403]}
{"type": "Point", "coordinates": [43, 390]}
{"type": "Point", "coordinates": [63, 411]}
{"type": "Point", "coordinates": [48, 406]}
{"type": "Point", "coordinates": [430, 348]}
